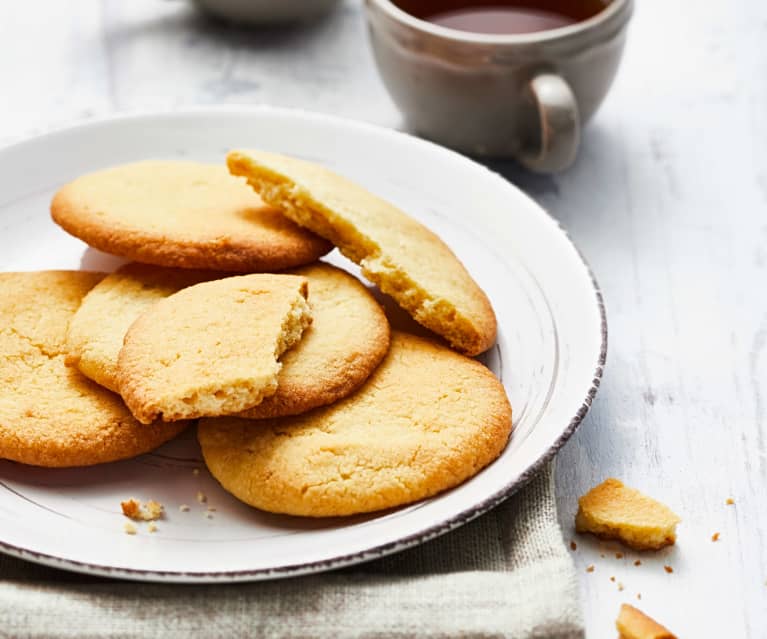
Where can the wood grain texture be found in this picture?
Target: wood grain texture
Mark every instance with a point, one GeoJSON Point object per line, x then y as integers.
{"type": "Point", "coordinates": [668, 202]}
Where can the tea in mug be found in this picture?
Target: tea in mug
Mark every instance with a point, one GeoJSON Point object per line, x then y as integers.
{"type": "Point", "coordinates": [499, 18]}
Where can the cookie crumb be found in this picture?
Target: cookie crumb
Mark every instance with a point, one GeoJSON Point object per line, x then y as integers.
{"type": "Point", "coordinates": [573, 545]}
{"type": "Point", "coordinates": [620, 587]}
{"type": "Point", "coordinates": [590, 568]}
{"type": "Point", "coordinates": [619, 555]}
{"type": "Point", "coordinates": [129, 528]}
{"type": "Point", "coordinates": [151, 527]}
{"type": "Point", "coordinates": [184, 508]}
{"type": "Point", "coordinates": [154, 510]}
{"type": "Point", "coordinates": [730, 501]}
{"type": "Point", "coordinates": [668, 569]}
{"type": "Point", "coordinates": [201, 497]}
{"type": "Point", "coordinates": [208, 514]}
{"type": "Point", "coordinates": [196, 472]}
{"type": "Point", "coordinates": [151, 510]}
{"type": "Point", "coordinates": [131, 508]}
{"type": "Point", "coordinates": [637, 563]}
{"type": "Point", "coordinates": [211, 509]}
{"type": "Point", "coordinates": [602, 555]}
{"type": "Point", "coordinates": [612, 578]}
{"type": "Point", "coordinates": [639, 596]}
{"type": "Point", "coordinates": [715, 537]}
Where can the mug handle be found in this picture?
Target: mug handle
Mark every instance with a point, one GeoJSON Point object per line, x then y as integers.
{"type": "Point", "coordinates": [559, 125]}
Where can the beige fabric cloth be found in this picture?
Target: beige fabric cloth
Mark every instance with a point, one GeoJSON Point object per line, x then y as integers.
{"type": "Point", "coordinates": [506, 574]}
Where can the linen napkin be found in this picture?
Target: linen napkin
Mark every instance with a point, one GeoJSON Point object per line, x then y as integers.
{"type": "Point", "coordinates": [506, 574]}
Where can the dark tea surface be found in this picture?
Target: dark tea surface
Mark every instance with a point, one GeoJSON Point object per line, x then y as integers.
{"type": "Point", "coordinates": [510, 17]}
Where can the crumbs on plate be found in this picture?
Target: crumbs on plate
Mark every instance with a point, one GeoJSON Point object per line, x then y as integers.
{"type": "Point", "coordinates": [151, 510]}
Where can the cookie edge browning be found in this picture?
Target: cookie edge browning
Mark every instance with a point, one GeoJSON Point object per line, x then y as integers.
{"type": "Point", "coordinates": [471, 336]}
{"type": "Point", "coordinates": [60, 458]}
{"type": "Point", "coordinates": [163, 250]}
{"type": "Point", "coordinates": [284, 403]}
{"type": "Point", "coordinates": [57, 456]}
{"type": "Point", "coordinates": [78, 341]}
{"type": "Point", "coordinates": [456, 472]}
{"type": "Point", "coordinates": [145, 409]}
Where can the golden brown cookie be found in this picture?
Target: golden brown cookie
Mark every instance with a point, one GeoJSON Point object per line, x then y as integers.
{"type": "Point", "coordinates": [96, 332]}
{"type": "Point", "coordinates": [50, 414]}
{"type": "Point", "coordinates": [212, 348]}
{"type": "Point", "coordinates": [348, 338]}
{"type": "Point", "coordinates": [426, 420]}
{"type": "Point", "coordinates": [183, 214]}
{"type": "Point", "coordinates": [397, 253]}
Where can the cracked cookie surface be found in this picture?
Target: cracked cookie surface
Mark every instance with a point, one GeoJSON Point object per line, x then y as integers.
{"type": "Point", "coordinates": [50, 414]}
{"type": "Point", "coordinates": [212, 348]}
{"type": "Point", "coordinates": [426, 420]}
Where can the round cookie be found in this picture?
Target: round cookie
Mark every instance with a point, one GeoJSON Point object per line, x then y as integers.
{"type": "Point", "coordinates": [182, 214]}
{"type": "Point", "coordinates": [213, 348]}
{"type": "Point", "coordinates": [426, 420]}
{"type": "Point", "coordinates": [96, 332]}
{"type": "Point", "coordinates": [348, 338]}
{"type": "Point", "coordinates": [396, 252]}
{"type": "Point", "coordinates": [50, 414]}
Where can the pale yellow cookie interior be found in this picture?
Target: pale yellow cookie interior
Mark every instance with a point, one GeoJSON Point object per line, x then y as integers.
{"type": "Point", "coordinates": [182, 214]}
{"type": "Point", "coordinates": [348, 338]}
{"type": "Point", "coordinates": [96, 332]}
{"type": "Point", "coordinates": [397, 253]}
{"type": "Point", "coordinates": [212, 348]}
{"type": "Point", "coordinates": [426, 420]}
{"type": "Point", "coordinates": [612, 510]}
{"type": "Point", "coordinates": [50, 414]}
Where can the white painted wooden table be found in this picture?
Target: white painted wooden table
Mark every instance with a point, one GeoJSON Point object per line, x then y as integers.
{"type": "Point", "coordinates": [668, 202]}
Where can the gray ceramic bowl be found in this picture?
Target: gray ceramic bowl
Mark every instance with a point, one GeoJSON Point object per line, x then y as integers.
{"type": "Point", "coordinates": [265, 11]}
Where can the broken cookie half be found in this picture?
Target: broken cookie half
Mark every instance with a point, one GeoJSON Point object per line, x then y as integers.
{"type": "Point", "coordinates": [213, 348]}
{"type": "Point", "coordinates": [396, 252]}
{"type": "Point", "coordinates": [615, 511]}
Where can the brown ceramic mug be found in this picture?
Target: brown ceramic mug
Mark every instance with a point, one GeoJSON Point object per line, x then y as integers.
{"type": "Point", "coordinates": [524, 96]}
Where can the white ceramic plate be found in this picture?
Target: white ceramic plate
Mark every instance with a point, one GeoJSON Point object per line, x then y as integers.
{"type": "Point", "coordinates": [550, 351]}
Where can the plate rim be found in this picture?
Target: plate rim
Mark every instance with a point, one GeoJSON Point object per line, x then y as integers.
{"type": "Point", "coordinates": [381, 550]}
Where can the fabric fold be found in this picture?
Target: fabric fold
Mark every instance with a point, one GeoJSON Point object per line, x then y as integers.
{"type": "Point", "coordinates": [506, 574]}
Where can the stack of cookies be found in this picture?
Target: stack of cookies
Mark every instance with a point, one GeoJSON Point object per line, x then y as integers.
{"type": "Point", "coordinates": [306, 401]}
